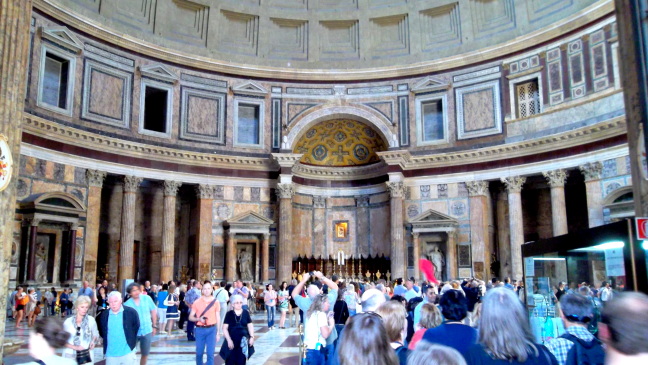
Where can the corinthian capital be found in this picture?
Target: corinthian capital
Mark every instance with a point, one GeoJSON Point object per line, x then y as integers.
{"type": "Point", "coordinates": [362, 201]}
{"type": "Point", "coordinates": [204, 191]}
{"type": "Point", "coordinates": [131, 183]}
{"type": "Point", "coordinates": [396, 189]}
{"type": "Point", "coordinates": [95, 177]}
{"type": "Point", "coordinates": [286, 191]}
{"type": "Point", "coordinates": [477, 188]}
{"type": "Point", "coordinates": [171, 187]}
{"type": "Point", "coordinates": [556, 178]}
{"type": "Point", "coordinates": [514, 183]}
{"type": "Point", "coordinates": [592, 170]}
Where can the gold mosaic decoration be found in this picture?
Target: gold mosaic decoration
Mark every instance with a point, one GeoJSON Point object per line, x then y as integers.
{"type": "Point", "coordinates": [340, 143]}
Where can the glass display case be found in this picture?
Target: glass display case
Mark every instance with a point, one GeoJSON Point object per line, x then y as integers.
{"type": "Point", "coordinates": [605, 256]}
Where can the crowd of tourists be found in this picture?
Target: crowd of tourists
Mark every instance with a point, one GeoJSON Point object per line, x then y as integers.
{"type": "Point", "coordinates": [455, 322]}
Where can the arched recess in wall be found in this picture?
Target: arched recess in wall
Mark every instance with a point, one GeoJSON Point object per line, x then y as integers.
{"type": "Point", "coordinates": [618, 204]}
{"type": "Point", "coordinates": [378, 122]}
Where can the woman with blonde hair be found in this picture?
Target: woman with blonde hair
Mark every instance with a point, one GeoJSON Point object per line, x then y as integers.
{"type": "Point", "coordinates": [83, 333]}
{"type": "Point", "coordinates": [427, 353]}
{"type": "Point", "coordinates": [351, 298]}
{"type": "Point", "coordinates": [504, 333]}
{"type": "Point", "coordinates": [319, 325]}
{"type": "Point", "coordinates": [364, 341]}
{"type": "Point", "coordinates": [394, 317]}
{"type": "Point", "coordinates": [430, 317]}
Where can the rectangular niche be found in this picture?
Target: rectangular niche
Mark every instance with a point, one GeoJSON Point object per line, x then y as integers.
{"type": "Point", "coordinates": [137, 14]}
{"type": "Point", "coordinates": [492, 16]}
{"type": "Point", "coordinates": [248, 123]}
{"type": "Point", "coordinates": [339, 40]}
{"type": "Point", "coordinates": [289, 39]}
{"type": "Point", "coordinates": [340, 231]}
{"type": "Point", "coordinates": [440, 27]}
{"type": "Point", "coordinates": [188, 24]}
{"type": "Point", "coordinates": [156, 101]}
{"type": "Point", "coordinates": [106, 94]}
{"type": "Point", "coordinates": [478, 110]}
{"type": "Point", "coordinates": [203, 116]}
{"type": "Point", "coordinates": [431, 120]}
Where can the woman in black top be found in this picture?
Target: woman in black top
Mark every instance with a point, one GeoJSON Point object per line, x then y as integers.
{"type": "Point", "coordinates": [102, 299]}
{"type": "Point", "coordinates": [238, 331]}
{"type": "Point", "coordinates": [340, 310]}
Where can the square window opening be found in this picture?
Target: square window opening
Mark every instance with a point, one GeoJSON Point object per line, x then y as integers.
{"type": "Point", "coordinates": [155, 109]}
{"type": "Point", "coordinates": [433, 128]}
{"type": "Point", "coordinates": [55, 81]}
{"type": "Point", "coordinates": [248, 124]}
{"type": "Point", "coordinates": [528, 98]}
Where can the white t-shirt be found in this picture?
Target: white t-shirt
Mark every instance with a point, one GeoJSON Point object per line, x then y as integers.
{"type": "Point", "coordinates": [221, 295]}
{"type": "Point", "coordinates": [312, 333]}
{"type": "Point", "coordinates": [606, 294]}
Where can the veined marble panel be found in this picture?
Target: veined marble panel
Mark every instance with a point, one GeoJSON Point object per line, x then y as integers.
{"type": "Point", "coordinates": [478, 110]}
{"type": "Point", "coordinates": [202, 116]}
{"type": "Point", "coordinates": [106, 94]}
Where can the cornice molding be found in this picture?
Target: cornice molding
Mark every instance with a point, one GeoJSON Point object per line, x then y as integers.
{"type": "Point", "coordinates": [597, 10]}
{"type": "Point", "coordinates": [340, 173]}
{"type": "Point", "coordinates": [77, 137]}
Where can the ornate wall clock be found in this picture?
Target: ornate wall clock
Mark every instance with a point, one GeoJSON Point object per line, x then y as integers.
{"type": "Point", "coordinates": [6, 162]}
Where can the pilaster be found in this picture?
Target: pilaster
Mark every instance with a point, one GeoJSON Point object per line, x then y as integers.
{"type": "Point", "coordinates": [284, 246]}
{"type": "Point", "coordinates": [514, 188]}
{"type": "Point", "coordinates": [95, 180]}
{"type": "Point", "coordinates": [398, 248]}
{"type": "Point", "coordinates": [362, 219]}
{"type": "Point", "coordinates": [319, 225]}
{"type": "Point", "coordinates": [203, 253]}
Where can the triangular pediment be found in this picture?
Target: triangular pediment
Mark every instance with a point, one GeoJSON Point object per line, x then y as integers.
{"type": "Point", "coordinates": [432, 216]}
{"type": "Point", "coordinates": [160, 72]}
{"type": "Point", "coordinates": [63, 37]}
{"type": "Point", "coordinates": [249, 88]}
{"type": "Point", "coordinates": [250, 218]}
{"type": "Point", "coordinates": [429, 84]}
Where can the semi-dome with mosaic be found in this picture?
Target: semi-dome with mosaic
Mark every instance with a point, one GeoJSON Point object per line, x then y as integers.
{"type": "Point", "coordinates": [340, 143]}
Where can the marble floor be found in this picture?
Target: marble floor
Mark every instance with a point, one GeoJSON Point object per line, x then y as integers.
{"type": "Point", "coordinates": [273, 347]}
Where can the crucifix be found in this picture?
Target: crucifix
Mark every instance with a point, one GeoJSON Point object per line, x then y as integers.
{"type": "Point", "coordinates": [340, 154]}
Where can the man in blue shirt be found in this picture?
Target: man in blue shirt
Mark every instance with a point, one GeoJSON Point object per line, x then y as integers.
{"type": "Point", "coordinates": [243, 291]}
{"type": "Point", "coordinates": [147, 313]}
{"type": "Point", "coordinates": [192, 294]}
{"type": "Point", "coordinates": [118, 327]}
{"type": "Point", "coordinates": [399, 289]}
{"type": "Point", "coordinates": [312, 291]}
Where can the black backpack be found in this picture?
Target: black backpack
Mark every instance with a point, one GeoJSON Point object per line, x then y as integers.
{"type": "Point", "coordinates": [584, 353]}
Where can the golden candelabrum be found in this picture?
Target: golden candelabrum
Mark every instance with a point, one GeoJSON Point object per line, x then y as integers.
{"type": "Point", "coordinates": [378, 275]}
{"type": "Point", "coordinates": [294, 275]}
{"type": "Point", "coordinates": [388, 276]}
{"type": "Point", "coordinates": [183, 274]}
{"type": "Point", "coordinates": [106, 272]}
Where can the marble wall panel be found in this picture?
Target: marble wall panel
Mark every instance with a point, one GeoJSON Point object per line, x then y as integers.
{"type": "Point", "coordinates": [380, 236]}
{"type": "Point", "coordinates": [302, 232]}
{"type": "Point", "coordinates": [265, 195]}
{"type": "Point", "coordinates": [106, 95]}
{"type": "Point", "coordinates": [478, 110]}
{"type": "Point", "coordinates": [340, 202]}
{"type": "Point", "coordinates": [378, 198]}
{"type": "Point", "coordinates": [302, 199]}
{"type": "Point", "coordinates": [68, 173]}
{"type": "Point", "coordinates": [348, 246]}
{"type": "Point", "coordinates": [244, 208]}
{"type": "Point", "coordinates": [202, 116]}
{"type": "Point", "coordinates": [437, 205]}
{"type": "Point", "coordinates": [453, 190]}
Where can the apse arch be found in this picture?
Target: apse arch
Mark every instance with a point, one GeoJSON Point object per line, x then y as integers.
{"type": "Point", "coordinates": [378, 122]}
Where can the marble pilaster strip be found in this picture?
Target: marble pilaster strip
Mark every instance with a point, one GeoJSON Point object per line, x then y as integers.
{"type": "Point", "coordinates": [93, 220]}
{"type": "Point", "coordinates": [230, 258]}
{"type": "Point", "coordinates": [202, 263]}
{"type": "Point", "coordinates": [556, 180]}
{"type": "Point", "coordinates": [71, 253]}
{"type": "Point", "coordinates": [398, 249]}
{"type": "Point", "coordinates": [319, 225]}
{"type": "Point", "coordinates": [416, 243]}
{"type": "Point", "coordinates": [514, 187]}
{"type": "Point", "coordinates": [265, 258]}
{"type": "Point", "coordinates": [284, 246]}
{"type": "Point", "coordinates": [15, 16]}
{"type": "Point", "coordinates": [362, 219]}
{"type": "Point", "coordinates": [503, 238]}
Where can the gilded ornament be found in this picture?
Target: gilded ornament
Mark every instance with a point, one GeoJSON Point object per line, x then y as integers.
{"type": "Point", "coordinates": [6, 162]}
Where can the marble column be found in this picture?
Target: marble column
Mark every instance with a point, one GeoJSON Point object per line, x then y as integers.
{"type": "Point", "coordinates": [31, 253]}
{"type": "Point", "coordinates": [168, 229]}
{"type": "Point", "coordinates": [556, 180]}
{"type": "Point", "coordinates": [451, 255]}
{"type": "Point", "coordinates": [284, 246]}
{"type": "Point", "coordinates": [265, 258]}
{"type": "Point", "coordinates": [503, 237]}
{"type": "Point", "coordinates": [416, 245]}
{"type": "Point", "coordinates": [71, 253]}
{"type": "Point", "coordinates": [127, 236]}
{"type": "Point", "coordinates": [514, 187]}
{"type": "Point", "coordinates": [362, 219]}
{"type": "Point", "coordinates": [594, 192]}
{"type": "Point", "coordinates": [230, 257]}
{"type": "Point", "coordinates": [95, 180]}
{"type": "Point", "coordinates": [203, 253]}
{"type": "Point", "coordinates": [15, 16]}
{"type": "Point", "coordinates": [480, 217]}
{"type": "Point", "coordinates": [319, 225]}
{"type": "Point", "coordinates": [398, 248]}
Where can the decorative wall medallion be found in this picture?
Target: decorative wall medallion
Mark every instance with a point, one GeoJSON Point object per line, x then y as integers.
{"type": "Point", "coordinates": [223, 211]}
{"type": "Point", "coordinates": [425, 191]}
{"type": "Point", "coordinates": [412, 211]}
{"type": "Point", "coordinates": [458, 209]}
{"type": "Point", "coordinates": [6, 162]}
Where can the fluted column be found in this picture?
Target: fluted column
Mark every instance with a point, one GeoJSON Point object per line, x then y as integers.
{"type": "Point", "coordinates": [284, 247]}
{"type": "Point", "coordinates": [503, 237]}
{"type": "Point", "coordinates": [203, 253]}
{"type": "Point", "coordinates": [319, 226]}
{"type": "Point", "coordinates": [127, 236]}
{"type": "Point", "coordinates": [398, 249]}
{"type": "Point", "coordinates": [556, 180]}
{"type": "Point", "coordinates": [480, 217]}
{"type": "Point", "coordinates": [168, 229]}
{"type": "Point", "coordinates": [514, 187]}
{"type": "Point", "coordinates": [95, 180]}
{"type": "Point", "coordinates": [592, 172]}
{"type": "Point", "coordinates": [15, 16]}
{"type": "Point", "coordinates": [362, 219]}
{"type": "Point", "coordinates": [416, 245]}
{"type": "Point", "coordinates": [71, 253]}
{"type": "Point", "coordinates": [265, 258]}
{"type": "Point", "coordinates": [230, 257]}
{"type": "Point", "coordinates": [31, 253]}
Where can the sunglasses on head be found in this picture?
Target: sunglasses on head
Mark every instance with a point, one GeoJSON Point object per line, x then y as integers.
{"type": "Point", "coordinates": [575, 318]}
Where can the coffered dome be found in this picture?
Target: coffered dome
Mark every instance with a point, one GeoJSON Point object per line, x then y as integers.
{"type": "Point", "coordinates": [340, 143]}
